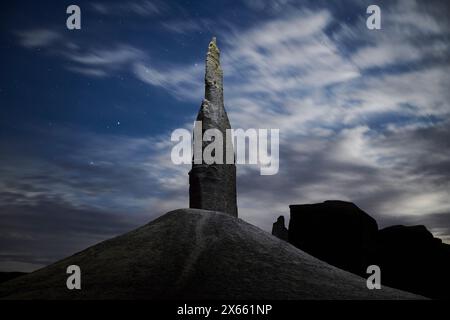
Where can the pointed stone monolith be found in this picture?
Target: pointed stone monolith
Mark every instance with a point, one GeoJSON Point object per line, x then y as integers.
{"type": "Point", "coordinates": [213, 186]}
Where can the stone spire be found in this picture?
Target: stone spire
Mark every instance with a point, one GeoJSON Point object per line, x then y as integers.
{"type": "Point", "coordinates": [213, 186]}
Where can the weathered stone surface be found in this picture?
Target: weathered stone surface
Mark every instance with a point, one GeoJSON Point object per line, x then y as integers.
{"type": "Point", "coordinates": [279, 230]}
{"type": "Point", "coordinates": [213, 186]}
{"type": "Point", "coordinates": [410, 258]}
{"type": "Point", "coordinates": [337, 232]}
{"type": "Point", "coordinates": [195, 254]}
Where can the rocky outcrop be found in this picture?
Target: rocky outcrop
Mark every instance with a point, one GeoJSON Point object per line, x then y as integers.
{"type": "Point", "coordinates": [412, 259]}
{"type": "Point", "coordinates": [213, 186]}
{"type": "Point", "coordinates": [340, 233]}
{"type": "Point", "coordinates": [195, 254]}
{"type": "Point", "coordinates": [279, 230]}
{"type": "Point", "coordinates": [337, 232]}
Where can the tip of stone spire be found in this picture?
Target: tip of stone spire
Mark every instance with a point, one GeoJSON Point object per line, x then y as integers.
{"type": "Point", "coordinates": [212, 48]}
{"type": "Point", "coordinates": [213, 76]}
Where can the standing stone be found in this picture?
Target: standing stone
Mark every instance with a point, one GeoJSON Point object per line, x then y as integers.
{"type": "Point", "coordinates": [213, 186]}
{"type": "Point", "coordinates": [279, 230]}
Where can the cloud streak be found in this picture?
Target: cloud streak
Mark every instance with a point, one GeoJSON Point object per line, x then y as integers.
{"type": "Point", "coordinates": [143, 8]}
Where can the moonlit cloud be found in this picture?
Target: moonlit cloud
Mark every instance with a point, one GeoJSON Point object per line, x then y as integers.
{"type": "Point", "coordinates": [184, 82]}
{"type": "Point", "coordinates": [101, 57]}
{"type": "Point", "coordinates": [185, 27]}
{"type": "Point", "coordinates": [142, 8]}
{"type": "Point", "coordinates": [37, 37]}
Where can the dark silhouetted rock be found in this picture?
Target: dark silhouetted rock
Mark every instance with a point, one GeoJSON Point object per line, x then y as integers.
{"type": "Point", "coordinates": [279, 230]}
{"type": "Point", "coordinates": [213, 186]}
{"type": "Point", "coordinates": [337, 232]}
{"type": "Point", "coordinates": [410, 258]}
{"type": "Point", "coordinates": [195, 254]}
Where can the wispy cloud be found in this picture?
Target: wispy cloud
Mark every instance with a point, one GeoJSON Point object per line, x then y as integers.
{"type": "Point", "coordinates": [90, 72]}
{"type": "Point", "coordinates": [410, 33]}
{"type": "Point", "coordinates": [120, 55]}
{"type": "Point", "coordinates": [142, 8]}
{"type": "Point", "coordinates": [184, 82]}
{"type": "Point", "coordinates": [37, 37]}
{"type": "Point", "coordinates": [86, 59]}
{"type": "Point", "coordinates": [187, 26]}
{"type": "Point", "coordinates": [93, 174]}
{"type": "Point", "coordinates": [103, 61]}
{"type": "Point", "coordinates": [40, 228]}
{"type": "Point", "coordinates": [269, 5]}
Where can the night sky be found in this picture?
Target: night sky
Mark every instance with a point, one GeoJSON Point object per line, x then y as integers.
{"type": "Point", "coordinates": [86, 115]}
